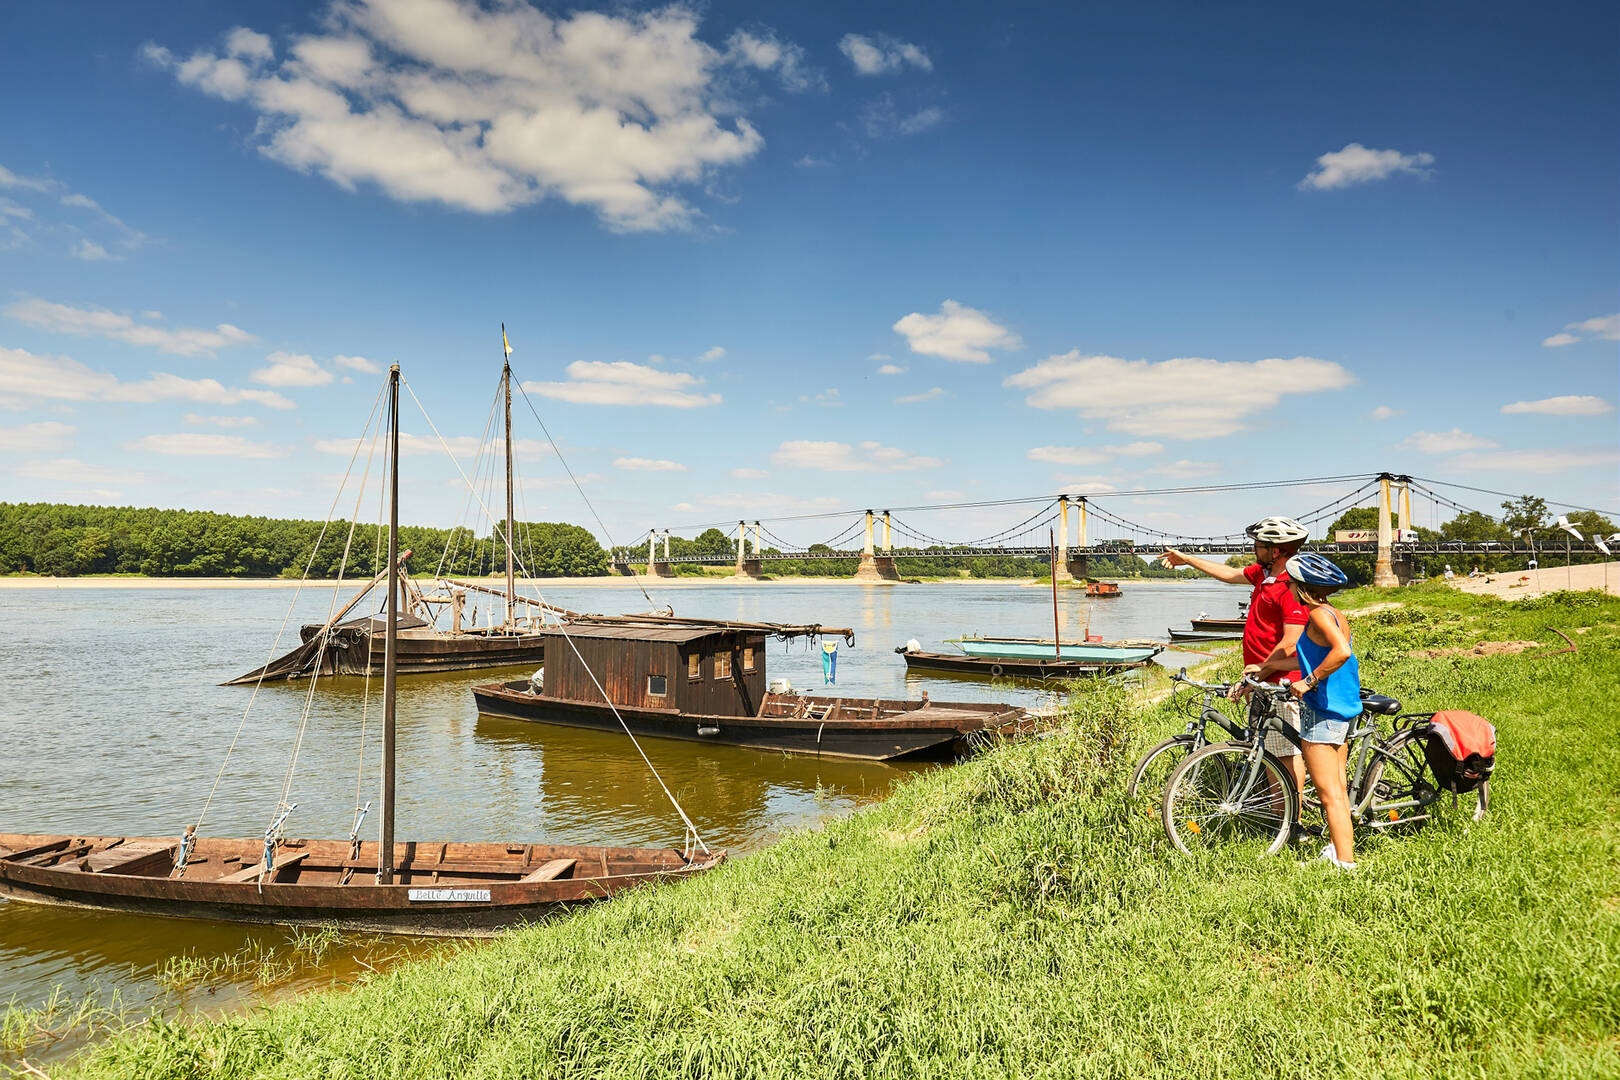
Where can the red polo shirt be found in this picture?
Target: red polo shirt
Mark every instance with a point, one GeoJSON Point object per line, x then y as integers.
{"type": "Point", "coordinates": [1271, 607]}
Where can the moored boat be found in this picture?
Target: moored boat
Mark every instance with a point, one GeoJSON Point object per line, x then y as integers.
{"type": "Point", "coordinates": [1208, 625]}
{"type": "Point", "coordinates": [705, 681]}
{"type": "Point", "coordinates": [1095, 652]}
{"type": "Point", "coordinates": [996, 667]}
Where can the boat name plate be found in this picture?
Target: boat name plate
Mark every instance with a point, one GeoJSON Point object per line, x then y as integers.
{"type": "Point", "coordinates": [452, 895]}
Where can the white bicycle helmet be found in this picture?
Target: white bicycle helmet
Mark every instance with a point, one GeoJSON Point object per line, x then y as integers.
{"type": "Point", "coordinates": [1277, 530]}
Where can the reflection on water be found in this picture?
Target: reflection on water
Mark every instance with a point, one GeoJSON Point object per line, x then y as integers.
{"type": "Point", "coordinates": [114, 723]}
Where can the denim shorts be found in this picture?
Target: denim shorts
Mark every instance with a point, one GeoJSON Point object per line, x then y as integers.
{"type": "Point", "coordinates": [1319, 727]}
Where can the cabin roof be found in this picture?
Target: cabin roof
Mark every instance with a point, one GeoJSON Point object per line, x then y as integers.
{"type": "Point", "coordinates": [677, 634]}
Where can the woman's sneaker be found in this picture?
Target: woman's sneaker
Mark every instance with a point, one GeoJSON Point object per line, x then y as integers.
{"type": "Point", "coordinates": [1331, 857]}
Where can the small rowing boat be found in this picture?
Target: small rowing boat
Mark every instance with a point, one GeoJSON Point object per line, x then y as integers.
{"type": "Point", "coordinates": [1093, 652]}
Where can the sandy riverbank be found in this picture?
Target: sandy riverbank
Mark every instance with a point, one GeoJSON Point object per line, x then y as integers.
{"type": "Point", "coordinates": [1523, 584]}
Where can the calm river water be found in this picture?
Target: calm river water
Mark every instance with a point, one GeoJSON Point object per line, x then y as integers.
{"type": "Point", "coordinates": [113, 723]}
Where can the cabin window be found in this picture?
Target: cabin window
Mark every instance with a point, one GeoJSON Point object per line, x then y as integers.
{"type": "Point", "coordinates": [657, 686]}
{"type": "Point", "coordinates": [694, 666]}
{"type": "Point", "coordinates": [748, 658]}
{"type": "Point", "coordinates": [722, 665]}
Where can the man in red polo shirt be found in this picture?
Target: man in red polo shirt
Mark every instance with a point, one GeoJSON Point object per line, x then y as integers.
{"type": "Point", "coordinates": [1275, 617]}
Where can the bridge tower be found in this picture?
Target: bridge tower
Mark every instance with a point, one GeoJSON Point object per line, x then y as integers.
{"type": "Point", "coordinates": [748, 569]}
{"type": "Point", "coordinates": [1402, 565]}
{"type": "Point", "coordinates": [1383, 565]}
{"type": "Point", "coordinates": [1077, 567]}
{"type": "Point", "coordinates": [659, 568]}
{"type": "Point", "coordinates": [874, 567]}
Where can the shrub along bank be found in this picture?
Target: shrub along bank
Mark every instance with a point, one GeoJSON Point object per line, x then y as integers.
{"type": "Point", "coordinates": [1002, 919]}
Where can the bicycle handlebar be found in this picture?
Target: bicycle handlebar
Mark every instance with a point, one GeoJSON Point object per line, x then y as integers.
{"type": "Point", "coordinates": [1181, 677]}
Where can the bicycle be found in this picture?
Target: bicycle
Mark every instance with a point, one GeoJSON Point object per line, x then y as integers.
{"type": "Point", "coordinates": [1238, 793]}
{"type": "Point", "coordinates": [1153, 769]}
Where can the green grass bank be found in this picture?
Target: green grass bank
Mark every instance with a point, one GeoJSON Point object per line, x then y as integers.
{"type": "Point", "coordinates": [1000, 918]}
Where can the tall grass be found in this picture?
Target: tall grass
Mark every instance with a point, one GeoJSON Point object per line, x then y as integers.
{"type": "Point", "coordinates": [1001, 919]}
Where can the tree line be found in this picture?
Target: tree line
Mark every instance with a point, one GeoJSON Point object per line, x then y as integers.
{"type": "Point", "coordinates": [70, 541]}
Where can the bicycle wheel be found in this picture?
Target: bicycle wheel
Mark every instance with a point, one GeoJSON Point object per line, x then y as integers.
{"type": "Point", "coordinates": [1145, 792]}
{"type": "Point", "coordinates": [1400, 791]}
{"type": "Point", "coordinates": [1206, 807]}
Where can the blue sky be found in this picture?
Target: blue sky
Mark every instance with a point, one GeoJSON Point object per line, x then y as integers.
{"type": "Point", "coordinates": [757, 263]}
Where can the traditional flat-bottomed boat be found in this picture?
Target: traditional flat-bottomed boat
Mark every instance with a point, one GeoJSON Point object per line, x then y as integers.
{"type": "Point", "coordinates": [1024, 648]}
{"type": "Point", "coordinates": [405, 887]}
{"type": "Point", "coordinates": [1044, 669]}
{"type": "Point", "coordinates": [705, 681]}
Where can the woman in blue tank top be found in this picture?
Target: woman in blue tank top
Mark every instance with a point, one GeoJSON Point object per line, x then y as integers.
{"type": "Point", "coordinates": [1329, 695]}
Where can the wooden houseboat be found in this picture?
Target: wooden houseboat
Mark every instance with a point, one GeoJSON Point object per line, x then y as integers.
{"type": "Point", "coordinates": [706, 682]}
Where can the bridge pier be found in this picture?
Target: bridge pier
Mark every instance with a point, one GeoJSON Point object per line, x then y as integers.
{"type": "Point", "coordinates": [656, 567]}
{"type": "Point", "coordinates": [1384, 576]}
{"type": "Point", "coordinates": [1072, 567]}
{"type": "Point", "coordinates": [874, 568]}
{"type": "Point", "coordinates": [748, 569]}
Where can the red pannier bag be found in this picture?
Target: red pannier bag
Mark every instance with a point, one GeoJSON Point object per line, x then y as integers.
{"type": "Point", "coordinates": [1461, 749]}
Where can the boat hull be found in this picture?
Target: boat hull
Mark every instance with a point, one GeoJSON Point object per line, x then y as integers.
{"type": "Point", "coordinates": [1074, 651]}
{"type": "Point", "coordinates": [989, 667]}
{"type": "Point", "coordinates": [357, 651]}
{"type": "Point", "coordinates": [441, 889]}
{"type": "Point", "coordinates": [899, 729]}
{"type": "Point", "coordinates": [1222, 626]}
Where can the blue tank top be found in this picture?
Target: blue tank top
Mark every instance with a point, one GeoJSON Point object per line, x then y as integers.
{"type": "Point", "coordinates": [1338, 695]}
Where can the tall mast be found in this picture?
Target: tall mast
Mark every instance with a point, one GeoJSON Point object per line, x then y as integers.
{"type": "Point", "coordinates": [1057, 631]}
{"type": "Point", "coordinates": [506, 387]}
{"type": "Point", "coordinates": [385, 850]}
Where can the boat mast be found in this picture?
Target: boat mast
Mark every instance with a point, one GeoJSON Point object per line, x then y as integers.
{"type": "Point", "coordinates": [385, 850]}
{"type": "Point", "coordinates": [1057, 636]}
{"type": "Point", "coordinates": [506, 387]}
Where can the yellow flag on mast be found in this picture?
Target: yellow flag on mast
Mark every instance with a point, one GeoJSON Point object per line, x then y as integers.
{"type": "Point", "coordinates": [507, 345]}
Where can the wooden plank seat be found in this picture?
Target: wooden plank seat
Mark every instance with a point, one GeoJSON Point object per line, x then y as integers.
{"type": "Point", "coordinates": [60, 854]}
{"type": "Point", "coordinates": [130, 858]}
{"type": "Point", "coordinates": [552, 870]}
{"type": "Point", "coordinates": [252, 873]}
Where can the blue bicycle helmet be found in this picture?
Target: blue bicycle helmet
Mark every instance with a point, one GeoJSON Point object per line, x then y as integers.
{"type": "Point", "coordinates": [1309, 568]}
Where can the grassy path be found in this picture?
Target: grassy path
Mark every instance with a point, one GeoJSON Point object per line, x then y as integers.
{"type": "Point", "coordinates": [999, 919]}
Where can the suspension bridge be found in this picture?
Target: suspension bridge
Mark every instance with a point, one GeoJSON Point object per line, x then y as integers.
{"type": "Point", "coordinates": [1078, 520]}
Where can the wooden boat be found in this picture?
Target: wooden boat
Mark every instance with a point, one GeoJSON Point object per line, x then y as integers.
{"type": "Point", "coordinates": [1208, 625]}
{"type": "Point", "coordinates": [344, 646]}
{"type": "Point", "coordinates": [990, 667]}
{"type": "Point", "coordinates": [705, 681]}
{"type": "Point", "coordinates": [1020, 648]}
{"type": "Point", "coordinates": [1202, 635]}
{"type": "Point", "coordinates": [437, 888]}
{"type": "Point", "coordinates": [410, 887]}
{"type": "Point", "coordinates": [1101, 590]}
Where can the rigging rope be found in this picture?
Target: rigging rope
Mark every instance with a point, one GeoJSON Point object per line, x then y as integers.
{"type": "Point", "coordinates": [308, 565]}
{"type": "Point", "coordinates": [563, 628]}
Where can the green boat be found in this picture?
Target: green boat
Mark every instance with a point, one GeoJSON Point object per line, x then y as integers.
{"type": "Point", "coordinates": [1091, 652]}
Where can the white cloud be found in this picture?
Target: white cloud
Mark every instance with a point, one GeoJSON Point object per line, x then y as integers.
{"type": "Point", "coordinates": [198, 444]}
{"type": "Point", "coordinates": [291, 370]}
{"type": "Point", "coordinates": [463, 447]}
{"type": "Point", "coordinates": [891, 369]}
{"type": "Point", "coordinates": [1384, 412]}
{"type": "Point", "coordinates": [90, 251]}
{"type": "Point", "coordinates": [1356, 164]}
{"type": "Point", "coordinates": [710, 355]}
{"type": "Point", "coordinates": [1187, 398]}
{"type": "Point", "coordinates": [491, 107]}
{"type": "Point", "coordinates": [1186, 469]}
{"type": "Point", "coordinates": [958, 332]}
{"type": "Point", "coordinates": [37, 438]}
{"type": "Point", "coordinates": [596, 382]}
{"type": "Point", "coordinates": [75, 477]}
{"type": "Point", "coordinates": [1092, 455]}
{"type": "Point", "coordinates": [882, 117]}
{"type": "Point", "coordinates": [1538, 461]}
{"type": "Point", "coordinates": [196, 420]}
{"type": "Point", "coordinates": [1564, 405]}
{"type": "Point", "coordinates": [1444, 442]}
{"type": "Point", "coordinates": [749, 474]}
{"type": "Point", "coordinates": [843, 457]}
{"type": "Point", "coordinates": [881, 53]}
{"type": "Point", "coordinates": [358, 363]}
{"type": "Point", "coordinates": [1086, 485]}
{"type": "Point", "coordinates": [62, 379]}
{"type": "Point", "coordinates": [641, 464]}
{"type": "Point", "coordinates": [933, 393]}
{"type": "Point", "coordinates": [99, 322]}
{"type": "Point", "coordinates": [766, 51]}
{"type": "Point", "coordinates": [1602, 328]}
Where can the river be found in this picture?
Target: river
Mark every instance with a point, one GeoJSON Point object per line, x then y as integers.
{"type": "Point", "coordinates": [114, 724]}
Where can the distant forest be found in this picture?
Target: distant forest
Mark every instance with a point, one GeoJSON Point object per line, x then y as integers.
{"type": "Point", "coordinates": [69, 541]}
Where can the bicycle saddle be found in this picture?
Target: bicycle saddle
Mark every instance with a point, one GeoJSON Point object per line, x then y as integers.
{"type": "Point", "coordinates": [1378, 703]}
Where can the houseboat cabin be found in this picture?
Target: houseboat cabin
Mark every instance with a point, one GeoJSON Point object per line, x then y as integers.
{"type": "Point", "coordinates": [690, 669]}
